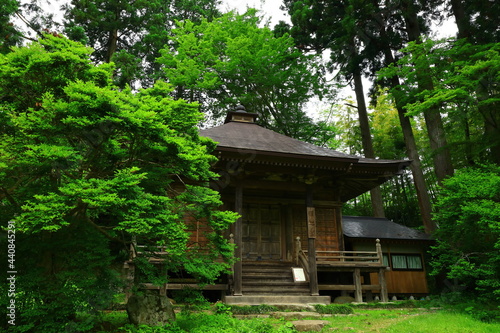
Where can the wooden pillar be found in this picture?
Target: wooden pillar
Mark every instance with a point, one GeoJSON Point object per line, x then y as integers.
{"type": "Point", "coordinates": [358, 292]}
{"type": "Point", "coordinates": [311, 245]}
{"type": "Point", "coordinates": [289, 240]}
{"type": "Point", "coordinates": [383, 285]}
{"type": "Point", "coordinates": [378, 248]}
{"type": "Point", "coordinates": [238, 240]}
{"type": "Point", "coordinates": [381, 273]}
{"type": "Point", "coordinates": [338, 221]}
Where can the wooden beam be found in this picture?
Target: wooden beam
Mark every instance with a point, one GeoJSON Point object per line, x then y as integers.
{"type": "Point", "coordinates": [283, 201]}
{"type": "Point", "coordinates": [347, 264]}
{"type": "Point", "coordinates": [340, 231]}
{"type": "Point", "coordinates": [196, 286]}
{"type": "Point", "coordinates": [311, 244]}
{"type": "Point", "coordinates": [289, 241]}
{"type": "Point", "coordinates": [256, 184]}
{"type": "Point", "coordinates": [311, 222]}
{"type": "Point", "coordinates": [348, 287]}
{"type": "Point", "coordinates": [238, 240]}
{"type": "Point", "coordinates": [383, 285]}
{"type": "Point", "coordinates": [358, 293]}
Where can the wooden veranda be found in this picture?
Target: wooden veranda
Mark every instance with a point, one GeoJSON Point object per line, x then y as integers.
{"type": "Point", "coordinates": [344, 261]}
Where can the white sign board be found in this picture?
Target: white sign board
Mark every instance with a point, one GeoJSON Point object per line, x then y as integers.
{"type": "Point", "coordinates": [298, 274]}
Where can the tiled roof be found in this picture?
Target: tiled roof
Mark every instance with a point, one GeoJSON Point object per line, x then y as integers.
{"type": "Point", "coordinates": [250, 136]}
{"type": "Point", "coordinates": [376, 227]}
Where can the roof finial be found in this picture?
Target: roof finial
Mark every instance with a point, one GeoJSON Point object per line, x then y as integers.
{"type": "Point", "coordinates": [240, 108]}
{"type": "Point", "coordinates": [240, 114]}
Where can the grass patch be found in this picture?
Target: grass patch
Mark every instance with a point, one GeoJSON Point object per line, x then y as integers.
{"type": "Point", "coordinates": [110, 321]}
{"type": "Point", "coordinates": [334, 309]}
{"type": "Point", "coordinates": [213, 323]}
{"type": "Point", "coordinates": [399, 316]}
{"type": "Point", "coordinates": [408, 304]}
{"type": "Point", "coordinates": [376, 320]}
{"type": "Point", "coordinates": [410, 320]}
{"type": "Point", "coordinates": [443, 321]}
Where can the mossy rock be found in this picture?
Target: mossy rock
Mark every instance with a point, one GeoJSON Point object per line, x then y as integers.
{"type": "Point", "coordinates": [150, 308]}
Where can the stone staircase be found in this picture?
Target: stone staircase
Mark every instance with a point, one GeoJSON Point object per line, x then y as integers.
{"type": "Point", "coordinates": [271, 278]}
{"type": "Point", "coordinates": [272, 283]}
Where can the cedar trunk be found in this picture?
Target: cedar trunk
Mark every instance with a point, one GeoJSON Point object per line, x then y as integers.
{"type": "Point", "coordinates": [423, 197]}
{"type": "Point", "coordinates": [433, 121]}
{"type": "Point", "coordinates": [366, 138]}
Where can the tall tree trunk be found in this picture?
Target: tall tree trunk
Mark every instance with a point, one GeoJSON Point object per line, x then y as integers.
{"type": "Point", "coordinates": [424, 201]}
{"type": "Point", "coordinates": [433, 121]}
{"type": "Point", "coordinates": [366, 139]}
{"type": "Point", "coordinates": [461, 19]}
{"type": "Point", "coordinates": [491, 115]}
{"type": "Point", "coordinates": [112, 44]}
{"type": "Point", "coordinates": [468, 147]}
{"type": "Point", "coordinates": [489, 112]}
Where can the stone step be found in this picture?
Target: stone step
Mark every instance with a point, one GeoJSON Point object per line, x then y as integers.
{"type": "Point", "coordinates": [266, 267]}
{"type": "Point", "coordinates": [268, 276]}
{"type": "Point", "coordinates": [274, 299]}
{"type": "Point", "coordinates": [278, 290]}
{"type": "Point", "coordinates": [268, 270]}
{"type": "Point", "coordinates": [283, 291]}
{"type": "Point", "coordinates": [267, 263]}
{"type": "Point", "coordinates": [250, 282]}
{"type": "Point", "coordinates": [261, 278]}
{"type": "Point", "coordinates": [275, 292]}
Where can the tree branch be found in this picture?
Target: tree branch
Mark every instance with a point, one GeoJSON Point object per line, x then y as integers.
{"type": "Point", "coordinates": [22, 18]}
{"type": "Point", "coordinates": [79, 212]}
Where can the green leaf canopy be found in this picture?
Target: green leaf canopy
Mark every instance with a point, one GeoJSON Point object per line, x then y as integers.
{"type": "Point", "coordinates": [81, 157]}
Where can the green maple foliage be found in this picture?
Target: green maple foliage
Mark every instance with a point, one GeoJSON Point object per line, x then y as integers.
{"type": "Point", "coordinates": [84, 167]}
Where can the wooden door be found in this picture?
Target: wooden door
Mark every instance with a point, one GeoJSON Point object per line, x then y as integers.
{"type": "Point", "coordinates": [261, 232]}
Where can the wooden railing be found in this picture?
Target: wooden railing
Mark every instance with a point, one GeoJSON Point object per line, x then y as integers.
{"type": "Point", "coordinates": [155, 254]}
{"type": "Point", "coordinates": [340, 258]}
{"type": "Point", "coordinates": [301, 259]}
{"type": "Point", "coordinates": [355, 260]}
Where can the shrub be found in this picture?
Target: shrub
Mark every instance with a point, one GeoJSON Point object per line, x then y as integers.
{"type": "Point", "coordinates": [221, 308]}
{"type": "Point", "coordinates": [221, 323]}
{"type": "Point", "coordinates": [170, 328]}
{"type": "Point", "coordinates": [468, 238]}
{"type": "Point", "coordinates": [192, 298]}
{"type": "Point", "coordinates": [334, 309]}
{"type": "Point", "coordinates": [483, 313]}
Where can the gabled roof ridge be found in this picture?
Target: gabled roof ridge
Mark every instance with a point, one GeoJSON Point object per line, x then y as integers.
{"type": "Point", "coordinates": [248, 136]}
{"type": "Point", "coordinates": [308, 143]}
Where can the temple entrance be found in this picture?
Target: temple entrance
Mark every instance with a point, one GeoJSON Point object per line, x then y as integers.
{"type": "Point", "coordinates": [261, 232]}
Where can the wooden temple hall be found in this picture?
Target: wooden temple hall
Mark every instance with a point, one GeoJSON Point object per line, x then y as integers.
{"type": "Point", "coordinates": [291, 241]}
